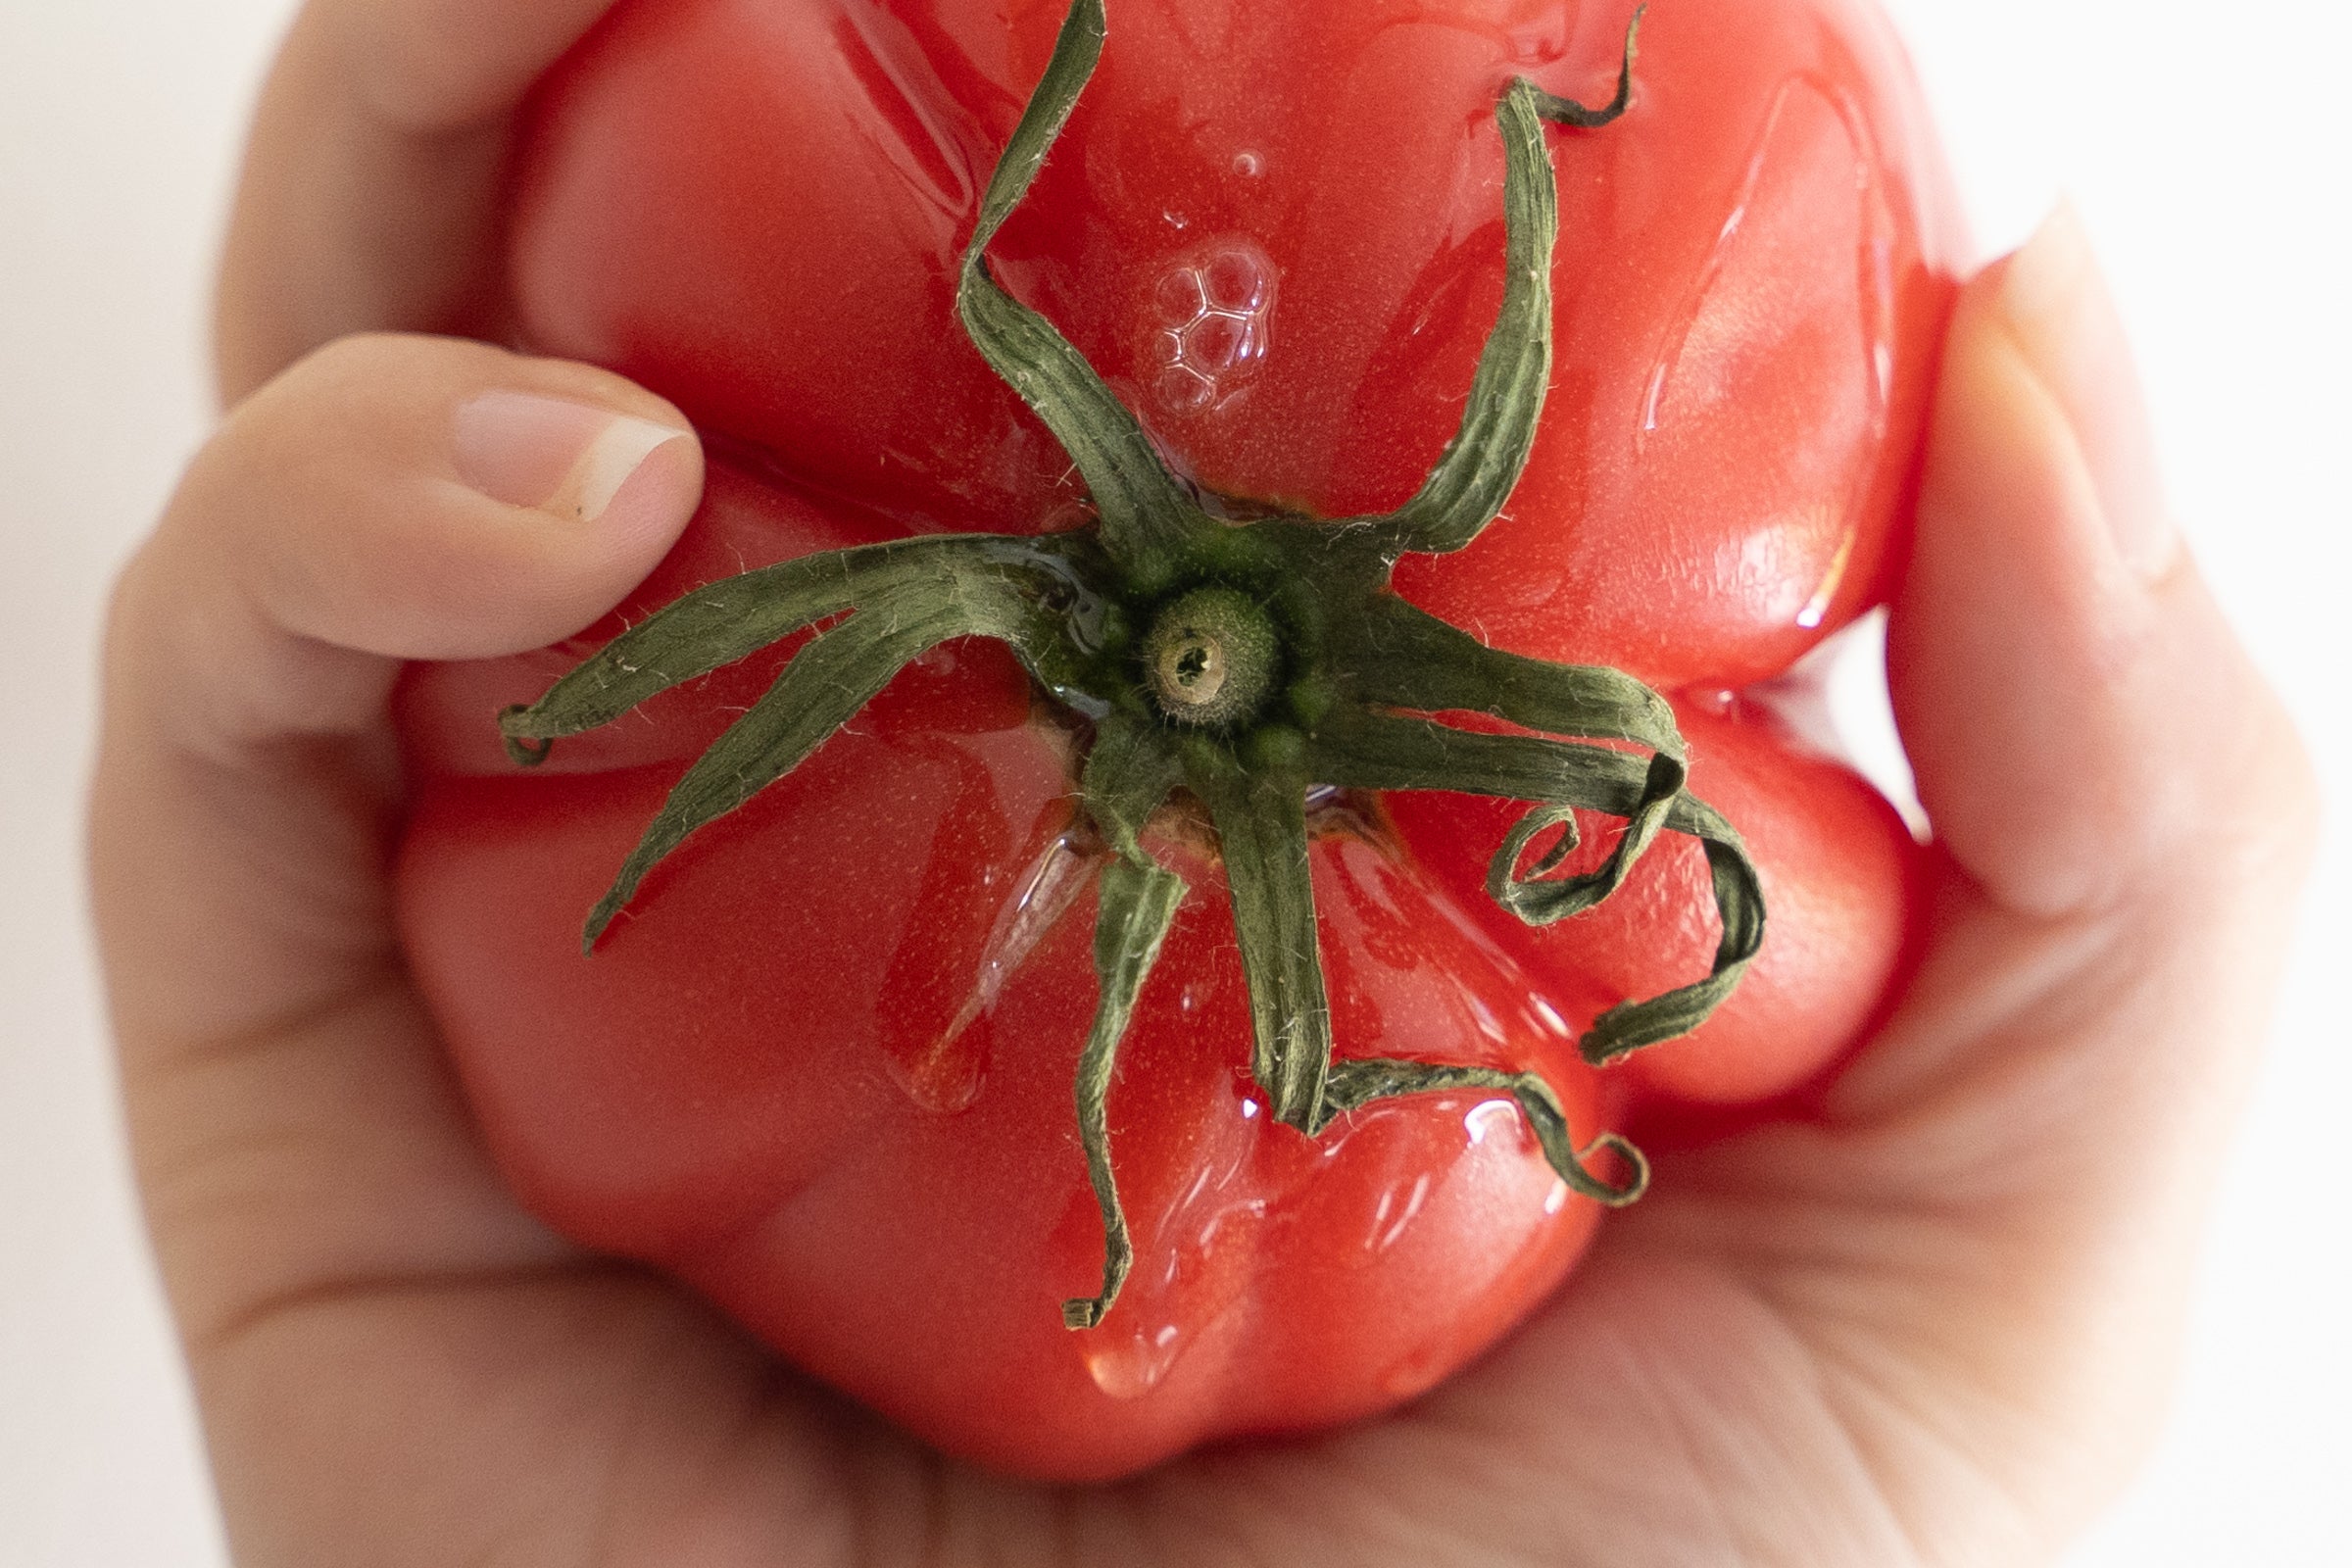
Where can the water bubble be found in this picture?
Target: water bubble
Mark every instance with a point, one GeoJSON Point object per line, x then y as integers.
{"type": "Point", "coordinates": [1184, 390]}
{"type": "Point", "coordinates": [1214, 308]}
{"type": "Point", "coordinates": [1237, 281]}
{"type": "Point", "coordinates": [1223, 341]}
{"type": "Point", "coordinates": [1180, 298]}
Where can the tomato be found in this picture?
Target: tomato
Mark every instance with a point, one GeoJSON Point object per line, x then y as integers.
{"type": "Point", "coordinates": [820, 1067]}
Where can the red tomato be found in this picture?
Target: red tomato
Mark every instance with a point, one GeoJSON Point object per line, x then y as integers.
{"type": "Point", "coordinates": [823, 1068]}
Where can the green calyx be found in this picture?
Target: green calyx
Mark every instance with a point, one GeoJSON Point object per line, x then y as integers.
{"type": "Point", "coordinates": [1242, 663]}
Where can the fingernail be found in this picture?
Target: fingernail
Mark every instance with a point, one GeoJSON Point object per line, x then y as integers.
{"type": "Point", "coordinates": [2066, 323]}
{"type": "Point", "coordinates": [563, 458]}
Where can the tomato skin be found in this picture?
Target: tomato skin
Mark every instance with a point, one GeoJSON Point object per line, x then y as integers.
{"type": "Point", "coordinates": [821, 1068]}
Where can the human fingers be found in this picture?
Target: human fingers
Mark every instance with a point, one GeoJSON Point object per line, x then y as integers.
{"type": "Point", "coordinates": [2125, 803]}
{"type": "Point", "coordinates": [370, 195]}
{"type": "Point", "coordinates": [388, 499]}
{"type": "Point", "coordinates": [2086, 728]}
{"type": "Point", "coordinates": [2126, 815]}
{"type": "Point", "coordinates": [2128, 809]}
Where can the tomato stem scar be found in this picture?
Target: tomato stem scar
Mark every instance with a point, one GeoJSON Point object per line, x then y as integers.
{"type": "Point", "coordinates": [1210, 657]}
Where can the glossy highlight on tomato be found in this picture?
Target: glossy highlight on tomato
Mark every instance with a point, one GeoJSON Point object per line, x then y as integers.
{"type": "Point", "coordinates": [822, 1069]}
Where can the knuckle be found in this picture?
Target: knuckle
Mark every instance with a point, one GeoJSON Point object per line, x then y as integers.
{"type": "Point", "coordinates": [2257, 805]}
{"type": "Point", "coordinates": [403, 71]}
{"type": "Point", "coordinates": [370, 362]}
{"type": "Point", "coordinates": [2289, 818]}
{"type": "Point", "coordinates": [430, 68]}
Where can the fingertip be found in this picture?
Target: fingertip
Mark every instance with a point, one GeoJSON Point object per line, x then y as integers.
{"type": "Point", "coordinates": [426, 65]}
{"type": "Point", "coordinates": [2069, 696]}
{"type": "Point", "coordinates": [518, 576]}
{"type": "Point", "coordinates": [565, 455]}
{"type": "Point", "coordinates": [602, 490]}
{"type": "Point", "coordinates": [2052, 302]}
{"type": "Point", "coordinates": [398, 498]}
{"type": "Point", "coordinates": [644, 507]}
{"type": "Point", "coordinates": [1998, 603]}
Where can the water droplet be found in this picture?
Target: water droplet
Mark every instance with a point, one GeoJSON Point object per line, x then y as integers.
{"type": "Point", "coordinates": [1484, 1117]}
{"type": "Point", "coordinates": [944, 1079]}
{"type": "Point", "coordinates": [1193, 1247]}
{"type": "Point", "coordinates": [1394, 1213]}
{"type": "Point", "coordinates": [1416, 1373]}
{"type": "Point", "coordinates": [1249, 165]}
{"type": "Point", "coordinates": [1131, 1363]}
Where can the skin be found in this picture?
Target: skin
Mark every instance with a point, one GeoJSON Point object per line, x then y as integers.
{"type": "Point", "coordinates": [1929, 1327]}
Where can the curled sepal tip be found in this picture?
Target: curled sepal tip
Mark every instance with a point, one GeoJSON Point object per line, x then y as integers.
{"type": "Point", "coordinates": [1613, 1194]}
{"type": "Point", "coordinates": [1739, 902]}
{"type": "Point", "coordinates": [1358, 1082]}
{"type": "Point", "coordinates": [522, 749]}
{"type": "Point", "coordinates": [1366, 750]}
{"type": "Point", "coordinates": [1568, 112]}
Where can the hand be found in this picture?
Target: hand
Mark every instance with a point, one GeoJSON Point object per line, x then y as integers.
{"type": "Point", "coordinates": [1925, 1326]}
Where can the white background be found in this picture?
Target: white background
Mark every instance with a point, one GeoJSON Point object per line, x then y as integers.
{"type": "Point", "coordinates": [2213, 167]}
